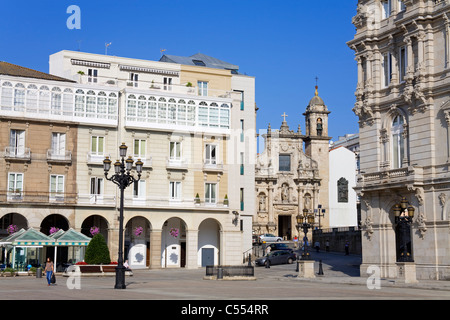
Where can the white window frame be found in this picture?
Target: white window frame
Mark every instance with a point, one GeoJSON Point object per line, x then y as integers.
{"type": "Point", "coordinates": [92, 75]}
{"type": "Point", "coordinates": [139, 190]}
{"type": "Point", "coordinates": [209, 157]}
{"type": "Point", "coordinates": [167, 81]}
{"type": "Point", "coordinates": [96, 185]}
{"type": "Point", "coordinates": [175, 190]}
{"type": "Point", "coordinates": [202, 88]}
{"type": "Point", "coordinates": [57, 193]}
{"type": "Point", "coordinates": [401, 6]}
{"type": "Point", "coordinates": [386, 9]}
{"type": "Point", "coordinates": [15, 191]}
{"type": "Point", "coordinates": [398, 143]}
{"type": "Point", "coordinates": [17, 141]}
{"type": "Point", "coordinates": [138, 152]}
{"type": "Point", "coordinates": [211, 187]}
{"type": "Point", "coordinates": [58, 143]}
{"type": "Point", "coordinates": [96, 152]}
{"type": "Point", "coordinates": [176, 155]}
{"type": "Point", "coordinates": [134, 79]}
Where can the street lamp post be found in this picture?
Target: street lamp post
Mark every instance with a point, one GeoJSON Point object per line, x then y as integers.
{"type": "Point", "coordinates": [404, 214]}
{"type": "Point", "coordinates": [122, 178]}
{"type": "Point", "coordinates": [317, 214]}
{"type": "Point", "coordinates": [305, 222]}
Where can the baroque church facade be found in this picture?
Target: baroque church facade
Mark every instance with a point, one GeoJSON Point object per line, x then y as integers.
{"type": "Point", "coordinates": [292, 174]}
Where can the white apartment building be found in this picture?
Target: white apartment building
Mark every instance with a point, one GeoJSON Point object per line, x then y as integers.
{"type": "Point", "coordinates": [188, 134]}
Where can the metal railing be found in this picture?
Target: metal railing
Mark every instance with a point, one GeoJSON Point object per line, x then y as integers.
{"type": "Point", "coordinates": [231, 271]}
{"type": "Point", "coordinates": [18, 153]}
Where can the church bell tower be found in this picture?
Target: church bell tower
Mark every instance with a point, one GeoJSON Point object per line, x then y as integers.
{"type": "Point", "coordinates": [317, 146]}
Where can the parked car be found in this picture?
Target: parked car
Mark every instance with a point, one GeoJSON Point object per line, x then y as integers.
{"type": "Point", "coordinates": [279, 246]}
{"type": "Point", "coordinates": [268, 237]}
{"type": "Point", "coordinates": [277, 257]}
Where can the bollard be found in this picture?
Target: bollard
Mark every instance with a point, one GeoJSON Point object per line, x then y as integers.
{"type": "Point", "coordinates": [320, 268]}
{"type": "Point", "coordinates": [219, 273]}
{"type": "Point", "coordinates": [249, 259]}
{"type": "Point", "coordinates": [267, 263]}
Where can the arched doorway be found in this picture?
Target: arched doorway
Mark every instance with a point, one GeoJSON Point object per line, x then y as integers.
{"type": "Point", "coordinates": [95, 221]}
{"type": "Point", "coordinates": [209, 243]}
{"type": "Point", "coordinates": [173, 243]}
{"type": "Point", "coordinates": [50, 224]}
{"type": "Point", "coordinates": [15, 219]}
{"type": "Point", "coordinates": [137, 242]}
{"type": "Point", "coordinates": [10, 219]}
{"type": "Point", "coordinates": [54, 221]}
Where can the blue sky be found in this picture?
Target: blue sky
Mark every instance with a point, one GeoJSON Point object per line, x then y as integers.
{"type": "Point", "coordinates": [285, 45]}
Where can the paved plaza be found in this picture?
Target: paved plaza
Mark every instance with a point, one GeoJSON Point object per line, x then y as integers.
{"type": "Point", "coordinates": [341, 280]}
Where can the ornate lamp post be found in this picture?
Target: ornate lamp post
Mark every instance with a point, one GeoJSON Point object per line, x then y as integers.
{"type": "Point", "coordinates": [317, 213]}
{"type": "Point", "coordinates": [404, 214]}
{"type": "Point", "coordinates": [305, 222]}
{"type": "Point", "coordinates": [122, 178]}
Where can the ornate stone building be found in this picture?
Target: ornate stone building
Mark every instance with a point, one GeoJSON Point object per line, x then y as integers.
{"type": "Point", "coordinates": [292, 173]}
{"type": "Point", "coordinates": [402, 101]}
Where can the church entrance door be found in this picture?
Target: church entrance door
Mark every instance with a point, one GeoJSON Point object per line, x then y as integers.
{"type": "Point", "coordinates": [284, 227]}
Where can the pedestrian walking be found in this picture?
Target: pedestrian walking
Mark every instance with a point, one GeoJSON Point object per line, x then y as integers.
{"type": "Point", "coordinates": [347, 248]}
{"type": "Point", "coordinates": [49, 270]}
{"type": "Point", "coordinates": [327, 245]}
{"type": "Point", "coordinates": [317, 246]}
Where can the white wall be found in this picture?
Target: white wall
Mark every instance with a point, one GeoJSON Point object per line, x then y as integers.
{"type": "Point", "coordinates": [342, 165]}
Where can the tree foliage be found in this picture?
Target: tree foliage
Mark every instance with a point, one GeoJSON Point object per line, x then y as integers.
{"type": "Point", "coordinates": [97, 251]}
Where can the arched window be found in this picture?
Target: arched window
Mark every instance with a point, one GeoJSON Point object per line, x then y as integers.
{"type": "Point", "coordinates": [68, 102]}
{"type": "Point", "coordinates": [190, 113]}
{"type": "Point", "coordinates": [79, 103]}
{"type": "Point", "coordinates": [112, 106]}
{"type": "Point", "coordinates": [398, 142]}
{"type": "Point", "coordinates": [181, 112]}
{"type": "Point", "coordinates": [102, 105]}
{"type": "Point", "coordinates": [56, 101]}
{"type": "Point", "coordinates": [90, 104]}
{"type": "Point", "coordinates": [131, 108]}
{"type": "Point", "coordinates": [152, 109]}
{"type": "Point", "coordinates": [142, 109]}
{"type": "Point", "coordinates": [32, 98]}
{"type": "Point", "coordinates": [172, 111]}
{"type": "Point", "coordinates": [44, 99]}
{"type": "Point", "coordinates": [162, 110]}
{"type": "Point", "coordinates": [7, 94]}
{"type": "Point", "coordinates": [19, 97]}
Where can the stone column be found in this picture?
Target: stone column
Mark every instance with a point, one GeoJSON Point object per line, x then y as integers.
{"type": "Point", "coordinates": [192, 249]}
{"type": "Point", "coordinates": [155, 249]}
{"type": "Point", "coordinates": [360, 72]}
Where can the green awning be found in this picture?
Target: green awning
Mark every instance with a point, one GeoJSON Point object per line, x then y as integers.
{"type": "Point", "coordinates": [32, 237]}
{"type": "Point", "coordinates": [70, 238]}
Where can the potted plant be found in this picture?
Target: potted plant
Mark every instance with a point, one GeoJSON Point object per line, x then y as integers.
{"type": "Point", "coordinates": [32, 271]}
{"type": "Point", "coordinates": [9, 272]}
{"type": "Point", "coordinates": [225, 201]}
{"type": "Point", "coordinates": [197, 199]}
{"type": "Point", "coordinates": [189, 84]}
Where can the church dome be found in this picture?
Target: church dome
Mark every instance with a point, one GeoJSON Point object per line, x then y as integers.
{"type": "Point", "coordinates": [316, 100]}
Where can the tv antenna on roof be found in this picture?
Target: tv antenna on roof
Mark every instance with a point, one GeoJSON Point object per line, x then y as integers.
{"type": "Point", "coordinates": [106, 48]}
